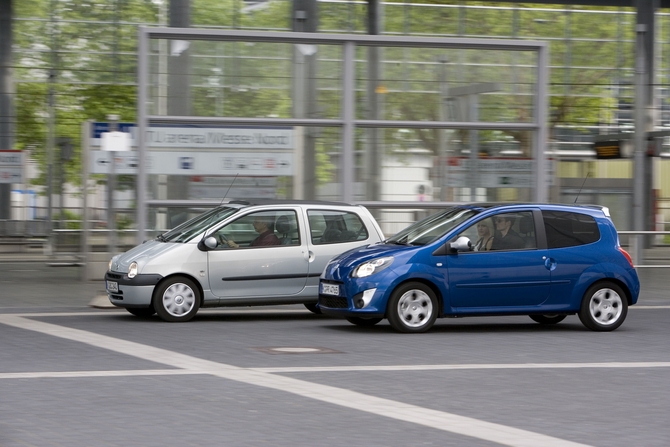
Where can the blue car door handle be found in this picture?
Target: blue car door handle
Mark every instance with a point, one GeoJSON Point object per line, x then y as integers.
{"type": "Point", "coordinates": [549, 263]}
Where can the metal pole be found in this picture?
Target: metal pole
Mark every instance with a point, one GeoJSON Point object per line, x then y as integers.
{"type": "Point", "coordinates": [142, 72]}
{"type": "Point", "coordinates": [348, 98]}
{"type": "Point", "coordinates": [85, 225]}
{"type": "Point", "coordinates": [7, 114]}
{"type": "Point", "coordinates": [541, 133]}
{"type": "Point", "coordinates": [473, 108]}
{"type": "Point", "coordinates": [442, 133]}
{"type": "Point", "coordinates": [111, 187]}
{"type": "Point", "coordinates": [51, 137]}
{"type": "Point", "coordinates": [640, 138]}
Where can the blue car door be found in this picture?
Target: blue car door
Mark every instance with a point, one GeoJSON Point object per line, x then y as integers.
{"type": "Point", "coordinates": [511, 276]}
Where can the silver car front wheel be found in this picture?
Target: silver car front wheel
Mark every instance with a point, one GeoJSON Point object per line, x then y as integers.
{"type": "Point", "coordinates": [177, 299]}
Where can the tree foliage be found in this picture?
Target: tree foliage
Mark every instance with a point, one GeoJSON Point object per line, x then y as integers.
{"type": "Point", "coordinates": [90, 47]}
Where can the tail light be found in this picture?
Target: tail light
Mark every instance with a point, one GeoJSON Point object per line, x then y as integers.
{"type": "Point", "coordinates": [627, 256]}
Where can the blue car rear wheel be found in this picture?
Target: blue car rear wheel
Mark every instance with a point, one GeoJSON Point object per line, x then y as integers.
{"type": "Point", "coordinates": [604, 307]}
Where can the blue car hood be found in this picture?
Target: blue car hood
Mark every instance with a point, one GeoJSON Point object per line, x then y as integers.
{"type": "Point", "coordinates": [362, 254]}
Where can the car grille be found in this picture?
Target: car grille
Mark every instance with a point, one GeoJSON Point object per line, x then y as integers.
{"type": "Point", "coordinates": [114, 275]}
{"type": "Point", "coordinates": [333, 302]}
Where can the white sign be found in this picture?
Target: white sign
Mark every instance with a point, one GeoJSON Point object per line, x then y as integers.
{"type": "Point", "coordinates": [115, 141]}
{"type": "Point", "coordinates": [213, 138]}
{"type": "Point", "coordinates": [196, 163]}
{"type": "Point", "coordinates": [11, 166]}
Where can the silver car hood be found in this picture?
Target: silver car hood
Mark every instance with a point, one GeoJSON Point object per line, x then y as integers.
{"type": "Point", "coordinates": [148, 250]}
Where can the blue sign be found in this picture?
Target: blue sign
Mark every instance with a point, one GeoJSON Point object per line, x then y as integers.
{"type": "Point", "coordinates": [100, 128]}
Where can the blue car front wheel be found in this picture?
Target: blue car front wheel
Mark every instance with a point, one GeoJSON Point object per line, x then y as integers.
{"type": "Point", "coordinates": [412, 308]}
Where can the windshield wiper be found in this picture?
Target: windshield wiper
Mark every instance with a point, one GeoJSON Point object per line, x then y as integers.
{"type": "Point", "coordinates": [401, 241]}
{"type": "Point", "coordinates": [161, 238]}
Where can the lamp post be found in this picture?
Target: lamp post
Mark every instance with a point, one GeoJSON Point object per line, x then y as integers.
{"type": "Point", "coordinates": [111, 186]}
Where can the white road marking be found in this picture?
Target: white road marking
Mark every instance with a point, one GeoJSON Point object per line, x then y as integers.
{"type": "Point", "coordinates": [291, 369]}
{"type": "Point", "coordinates": [311, 369]}
{"type": "Point", "coordinates": [438, 420]}
{"type": "Point", "coordinates": [80, 374]}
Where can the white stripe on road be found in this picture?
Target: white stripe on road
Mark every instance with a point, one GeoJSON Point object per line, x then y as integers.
{"type": "Point", "coordinates": [438, 420]}
{"type": "Point", "coordinates": [291, 369]}
{"type": "Point", "coordinates": [311, 369]}
{"type": "Point", "coordinates": [80, 374]}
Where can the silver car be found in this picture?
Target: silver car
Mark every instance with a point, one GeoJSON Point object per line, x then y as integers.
{"type": "Point", "coordinates": [238, 254]}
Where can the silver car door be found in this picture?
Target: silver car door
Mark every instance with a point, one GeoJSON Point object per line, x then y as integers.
{"type": "Point", "coordinates": [258, 271]}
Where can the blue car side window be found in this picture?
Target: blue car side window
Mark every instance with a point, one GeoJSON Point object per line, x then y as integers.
{"type": "Point", "coordinates": [514, 231]}
{"type": "Point", "coordinates": [565, 229]}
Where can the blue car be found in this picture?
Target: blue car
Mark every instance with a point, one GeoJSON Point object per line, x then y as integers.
{"type": "Point", "coordinates": [544, 261]}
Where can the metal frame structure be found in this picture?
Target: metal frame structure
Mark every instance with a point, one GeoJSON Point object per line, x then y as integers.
{"type": "Point", "coordinates": [347, 121]}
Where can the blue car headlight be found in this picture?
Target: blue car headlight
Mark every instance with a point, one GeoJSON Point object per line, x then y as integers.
{"type": "Point", "coordinates": [372, 267]}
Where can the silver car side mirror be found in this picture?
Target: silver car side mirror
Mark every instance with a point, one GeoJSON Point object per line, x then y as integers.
{"type": "Point", "coordinates": [210, 242]}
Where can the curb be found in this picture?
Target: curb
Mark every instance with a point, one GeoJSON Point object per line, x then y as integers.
{"type": "Point", "coordinates": [101, 302]}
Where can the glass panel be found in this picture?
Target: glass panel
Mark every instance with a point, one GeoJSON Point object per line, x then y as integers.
{"type": "Point", "coordinates": [513, 231]}
{"type": "Point", "coordinates": [569, 229]}
{"type": "Point", "coordinates": [331, 227]}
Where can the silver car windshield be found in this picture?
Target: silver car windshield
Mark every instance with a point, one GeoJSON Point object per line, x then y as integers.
{"type": "Point", "coordinates": [432, 228]}
{"type": "Point", "coordinates": [191, 228]}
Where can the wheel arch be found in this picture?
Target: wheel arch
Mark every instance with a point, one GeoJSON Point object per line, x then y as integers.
{"type": "Point", "coordinates": [184, 275]}
{"type": "Point", "coordinates": [618, 282]}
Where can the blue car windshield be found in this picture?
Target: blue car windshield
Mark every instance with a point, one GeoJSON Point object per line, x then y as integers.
{"type": "Point", "coordinates": [432, 227]}
{"type": "Point", "coordinates": [189, 229]}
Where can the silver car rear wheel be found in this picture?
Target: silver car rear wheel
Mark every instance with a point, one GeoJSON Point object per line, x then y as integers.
{"type": "Point", "coordinates": [177, 299]}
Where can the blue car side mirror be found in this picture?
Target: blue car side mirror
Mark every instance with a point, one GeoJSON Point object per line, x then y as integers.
{"type": "Point", "coordinates": [460, 244]}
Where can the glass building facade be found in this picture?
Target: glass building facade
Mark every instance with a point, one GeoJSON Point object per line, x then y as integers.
{"type": "Point", "coordinates": [84, 57]}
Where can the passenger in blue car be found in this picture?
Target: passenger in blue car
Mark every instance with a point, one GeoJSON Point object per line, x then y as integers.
{"type": "Point", "coordinates": [485, 236]}
{"type": "Point", "coordinates": [505, 238]}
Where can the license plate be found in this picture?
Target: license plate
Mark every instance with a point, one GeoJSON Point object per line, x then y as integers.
{"type": "Point", "coordinates": [113, 286]}
{"type": "Point", "coordinates": [330, 289]}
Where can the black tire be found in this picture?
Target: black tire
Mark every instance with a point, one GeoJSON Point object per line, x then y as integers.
{"type": "Point", "coordinates": [177, 299]}
{"type": "Point", "coordinates": [143, 312]}
{"type": "Point", "coordinates": [547, 319]}
{"type": "Point", "coordinates": [412, 308]}
{"type": "Point", "coordinates": [313, 307]}
{"type": "Point", "coordinates": [604, 307]}
{"type": "Point", "coordinates": [364, 322]}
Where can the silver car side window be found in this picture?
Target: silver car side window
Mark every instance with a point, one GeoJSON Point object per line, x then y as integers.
{"type": "Point", "coordinates": [260, 230]}
{"type": "Point", "coordinates": [332, 227]}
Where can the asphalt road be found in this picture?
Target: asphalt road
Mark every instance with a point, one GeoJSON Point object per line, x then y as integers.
{"type": "Point", "coordinates": [72, 375]}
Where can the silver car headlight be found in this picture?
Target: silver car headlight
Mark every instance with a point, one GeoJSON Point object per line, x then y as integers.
{"type": "Point", "coordinates": [132, 270]}
{"type": "Point", "coordinates": [371, 267]}
{"type": "Point", "coordinates": [109, 266]}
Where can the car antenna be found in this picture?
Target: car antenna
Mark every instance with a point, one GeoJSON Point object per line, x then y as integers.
{"type": "Point", "coordinates": [580, 188]}
{"type": "Point", "coordinates": [221, 203]}
{"type": "Point", "coordinates": [228, 190]}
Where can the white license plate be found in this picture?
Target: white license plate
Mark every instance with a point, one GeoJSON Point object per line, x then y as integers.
{"type": "Point", "coordinates": [330, 289]}
{"type": "Point", "coordinates": [113, 286]}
